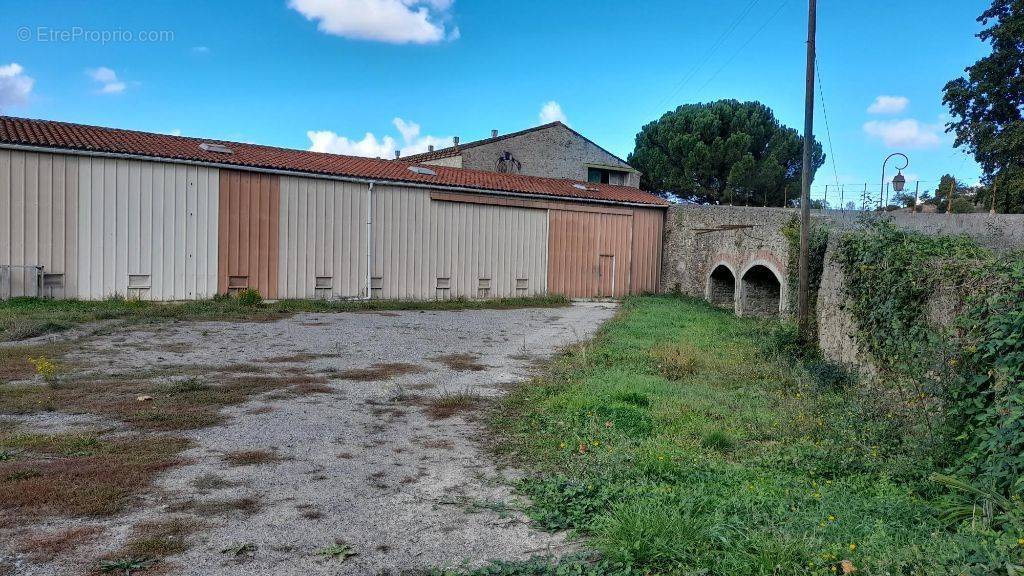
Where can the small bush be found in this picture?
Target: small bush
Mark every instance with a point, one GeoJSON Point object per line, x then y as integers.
{"type": "Point", "coordinates": [250, 297]}
{"type": "Point", "coordinates": [676, 361]}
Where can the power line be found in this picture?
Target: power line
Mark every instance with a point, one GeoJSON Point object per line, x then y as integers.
{"type": "Point", "coordinates": [745, 44]}
{"type": "Point", "coordinates": [707, 56]}
{"type": "Point", "coordinates": [828, 132]}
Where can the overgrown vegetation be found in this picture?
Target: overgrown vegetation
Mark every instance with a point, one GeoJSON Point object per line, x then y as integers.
{"type": "Point", "coordinates": [817, 243]}
{"type": "Point", "coordinates": [943, 319]}
{"type": "Point", "coordinates": [737, 463]}
{"type": "Point", "coordinates": [22, 318]}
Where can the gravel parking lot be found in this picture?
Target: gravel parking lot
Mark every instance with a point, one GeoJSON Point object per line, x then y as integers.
{"type": "Point", "coordinates": [381, 471]}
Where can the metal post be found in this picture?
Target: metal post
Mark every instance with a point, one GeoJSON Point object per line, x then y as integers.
{"type": "Point", "coordinates": [803, 310]}
{"type": "Point", "coordinates": [917, 190]}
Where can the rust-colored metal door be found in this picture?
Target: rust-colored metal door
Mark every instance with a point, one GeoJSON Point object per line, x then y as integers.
{"type": "Point", "coordinates": [576, 242]}
{"type": "Point", "coordinates": [606, 275]}
{"type": "Point", "coordinates": [249, 222]}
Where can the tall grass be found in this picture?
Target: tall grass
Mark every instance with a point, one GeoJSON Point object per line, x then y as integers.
{"type": "Point", "coordinates": [679, 445]}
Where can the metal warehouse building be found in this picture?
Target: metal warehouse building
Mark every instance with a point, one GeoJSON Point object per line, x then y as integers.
{"type": "Point", "coordinates": [89, 212]}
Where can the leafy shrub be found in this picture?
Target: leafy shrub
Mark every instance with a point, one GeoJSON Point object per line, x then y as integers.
{"type": "Point", "coordinates": [985, 402]}
{"type": "Point", "coordinates": [562, 503]}
{"type": "Point", "coordinates": [47, 369]}
{"type": "Point", "coordinates": [634, 398]}
{"type": "Point", "coordinates": [249, 297]}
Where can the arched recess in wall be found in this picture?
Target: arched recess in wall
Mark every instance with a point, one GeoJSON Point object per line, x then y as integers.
{"type": "Point", "coordinates": [721, 286]}
{"type": "Point", "coordinates": [762, 292]}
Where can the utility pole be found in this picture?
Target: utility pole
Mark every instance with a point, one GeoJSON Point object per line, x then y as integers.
{"type": "Point", "coordinates": [995, 188]}
{"type": "Point", "coordinates": [949, 199]}
{"type": "Point", "coordinates": [803, 296]}
{"type": "Point", "coordinates": [917, 193]}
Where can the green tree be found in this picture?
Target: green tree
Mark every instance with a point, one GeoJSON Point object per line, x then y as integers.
{"type": "Point", "coordinates": [724, 151]}
{"type": "Point", "coordinates": [987, 104]}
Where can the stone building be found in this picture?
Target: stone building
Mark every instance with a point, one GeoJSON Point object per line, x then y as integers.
{"type": "Point", "coordinates": [551, 150]}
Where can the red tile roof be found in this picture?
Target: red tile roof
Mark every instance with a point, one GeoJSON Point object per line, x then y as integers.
{"type": "Point", "coordinates": [62, 135]}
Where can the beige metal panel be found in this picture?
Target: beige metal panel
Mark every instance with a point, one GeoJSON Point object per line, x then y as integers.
{"type": "Point", "coordinates": [36, 192]}
{"type": "Point", "coordinates": [146, 229]}
{"type": "Point", "coordinates": [322, 234]}
{"type": "Point", "coordinates": [400, 236]}
{"type": "Point", "coordinates": [420, 246]}
{"type": "Point", "coordinates": [503, 246]}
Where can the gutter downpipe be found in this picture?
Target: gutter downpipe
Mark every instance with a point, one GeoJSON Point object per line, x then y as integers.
{"type": "Point", "coordinates": [369, 239]}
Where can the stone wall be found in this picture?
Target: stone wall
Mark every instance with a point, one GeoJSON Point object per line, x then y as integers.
{"type": "Point", "coordinates": [696, 244]}
{"type": "Point", "coordinates": [701, 242]}
{"type": "Point", "coordinates": [554, 152]}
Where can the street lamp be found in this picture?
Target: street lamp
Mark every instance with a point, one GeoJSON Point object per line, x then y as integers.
{"type": "Point", "coordinates": [898, 182]}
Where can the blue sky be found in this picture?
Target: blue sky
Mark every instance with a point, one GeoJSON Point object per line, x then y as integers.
{"type": "Point", "coordinates": [337, 74]}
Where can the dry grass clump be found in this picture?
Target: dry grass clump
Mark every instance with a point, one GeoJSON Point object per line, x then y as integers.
{"type": "Point", "coordinates": [80, 474]}
{"type": "Point", "coordinates": [676, 361]}
{"type": "Point", "coordinates": [448, 405]}
{"type": "Point", "coordinates": [461, 362]}
{"type": "Point", "coordinates": [40, 546]}
{"type": "Point", "coordinates": [159, 539]}
{"type": "Point", "coordinates": [252, 457]}
{"type": "Point", "coordinates": [380, 371]}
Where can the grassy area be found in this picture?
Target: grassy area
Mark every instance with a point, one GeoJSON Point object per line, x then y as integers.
{"type": "Point", "coordinates": [22, 318]}
{"type": "Point", "coordinates": [677, 444]}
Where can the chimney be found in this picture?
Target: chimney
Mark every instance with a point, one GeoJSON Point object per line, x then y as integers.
{"type": "Point", "coordinates": [430, 147]}
{"type": "Point", "coordinates": [398, 154]}
{"type": "Point", "coordinates": [494, 133]}
{"type": "Point", "coordinates": [455, 140]}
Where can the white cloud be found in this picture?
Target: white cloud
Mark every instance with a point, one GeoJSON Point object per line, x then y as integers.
{"type": "Point", "coordinates": [552, 112]}
{"type": "Point", "coordinates": [15, 86]}
{"type": "Point", "coordinates": [908, 132]}
{"type": "Point", "coordinates": [107, 79]}
{"type": "Point", "coordinates": [200, 49]}
{"type": "Point", "coordinates": [888, 105]}
{"type": "Point", "coordinates": [371, 146]}
{"type": "Point", "coordinates": [395, 21]}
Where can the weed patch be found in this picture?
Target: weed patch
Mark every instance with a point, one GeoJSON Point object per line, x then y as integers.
{"type": "Point", "coordinates": [461, 362]}
{"type": "Point", "coordinates": [448, 405]}
{"type": "Point", "coordinates": [380, 371]}
{"type": "Point", "coordinates": [73, 474]}
{"type": "Point", "coordinates": [252, 457]}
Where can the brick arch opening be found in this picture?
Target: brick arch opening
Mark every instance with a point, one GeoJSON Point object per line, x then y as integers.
{"type": "Point", "coordinates": [760, 292]}
{"type": "Point", "coordinates": [721, 288]}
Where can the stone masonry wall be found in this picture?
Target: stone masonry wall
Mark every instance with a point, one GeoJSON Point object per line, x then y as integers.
{"type": "Point", "coordinates": [691, 255]}
{"type": "Point", "coordinates": [554, 152]}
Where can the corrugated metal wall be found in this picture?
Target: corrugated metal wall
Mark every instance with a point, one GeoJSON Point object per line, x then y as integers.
{"type": "Point", "coordinates": [645, 267]}
{"type": "Point", "coordinates": [146, 230]}
{"type": "Point", "coordinates": [322, 239]}
{"type": "Point", "coordinates": [250, 210]}
{"type": "Point", "coordinates": [39, 218]}
{"type": "Point", "coordinates": [488, 251]}
{"type": "Point", "coordinates": [576, 242]}
{"type": "Point", "coordinates": [420, 246]}
{"type": "Point", "coordinates": [168, 231]}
